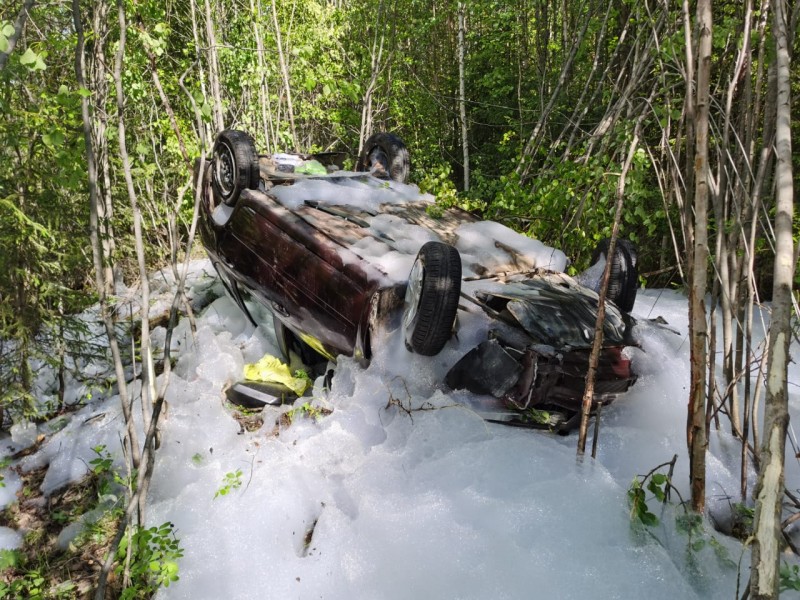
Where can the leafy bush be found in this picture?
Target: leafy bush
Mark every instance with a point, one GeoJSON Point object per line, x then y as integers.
{"type": "Point", "coordinates": [154, 560]}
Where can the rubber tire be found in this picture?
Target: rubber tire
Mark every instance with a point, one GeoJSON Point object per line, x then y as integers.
{"type": "Point", "coordinates": [234, 165]}
{"type": "Point", "coordinates": [431, 303]}
{"type": "Point", "coordinates": [623, 281]}
{"type": "Point", "coordinates": [389, 154]}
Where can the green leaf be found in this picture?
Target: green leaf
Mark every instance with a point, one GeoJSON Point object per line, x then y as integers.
{"type": "Point", "coordinates": [53, 139]}
{"type": "Point", "coordinates": [84, 92]}
{"type": "Point", "coordinates": [28, 58]}
{"type": "Point", "coordinates": [648, 518]}
{"type": "Point", "coordinates": [3, 43]}
{"type": "Point", "coordinates": [8, 30]}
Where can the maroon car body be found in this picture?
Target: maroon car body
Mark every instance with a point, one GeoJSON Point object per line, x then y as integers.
{"type": "Point", "coordinates": [305, 261]}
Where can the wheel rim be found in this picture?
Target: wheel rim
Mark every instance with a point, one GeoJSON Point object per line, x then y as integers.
{"type": "Point", "coordinates": [224, 169]}
{"type": "Point", "coordinates": [378, 161]}
{"type": "Point", "coordinates": [413, 293]}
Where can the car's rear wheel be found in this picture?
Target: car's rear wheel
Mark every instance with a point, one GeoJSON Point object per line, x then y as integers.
{"type": "Point", "coordinates": [234, 165]}
{"type": "Point", "coordinates": [431, 301]}
{"type": "Point", "coordinates": [385, 155]}
{"type": "Point", "coordinates": [623, 279]}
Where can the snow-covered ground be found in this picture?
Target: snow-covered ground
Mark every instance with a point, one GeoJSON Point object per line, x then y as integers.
{"type": "Point", "coordinates": [404, 491]}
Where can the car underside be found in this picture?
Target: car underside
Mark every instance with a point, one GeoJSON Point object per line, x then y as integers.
{"type": "Point", "coordinates": [334, 255]}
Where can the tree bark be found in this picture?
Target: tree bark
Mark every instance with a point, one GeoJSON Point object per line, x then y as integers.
{"type": "Point", "coordinates": [148, 369]}
{"type": "Point", "coordinates": [698, 326]}
{"type": "Point", "coordinates": [284, 73]}
{"type": "Point", "coordinates": [462, 103]}
{"type": "Point", "coordinates": [597, 343]}
{"type": "Point", "coordinates": [213, 70]}
{"type": "Point", "coordinates": [97, 247]}
{"type": "Point", "coordinates": [765, 575]}
{"type": "Point", "coordinates": [263, 88]}
{"type": "Point", "coordinates": [376, 68]}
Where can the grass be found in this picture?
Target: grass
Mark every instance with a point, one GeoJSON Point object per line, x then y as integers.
{"type": "Point", "coordinates": [40, 569]}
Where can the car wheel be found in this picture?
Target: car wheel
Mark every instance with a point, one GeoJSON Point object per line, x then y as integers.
{"type": "Point", "coordinates": [234, 165]}
{"type": "Point", "coordinates": [431, 301]}
{"type": "Point", "coordinates": [385, 155]}
{"type": "Point", "coordinates": [623, 280]}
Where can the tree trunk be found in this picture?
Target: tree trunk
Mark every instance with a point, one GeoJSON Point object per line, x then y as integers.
{"type": "Point", "coordinates": [597, 344]}
{"type": "Point", "coordinates": [94, 234]}
{"type": "Point", "coordinates": [462, 103]}
{"type": "Point", "coordinates": [100, 120]}
{"type": "Point", "coordinates": [284, 73]}
{"type": "Point", "coordinates": [376, 58]}
{"type": "Point", "coordinates": [765, 575]}
{"type": "Point", "coordinates": [698, 326]}
{"type": "Point", "coordinates": [263, 87]}
{"type": "Point", "coordinates": [148, 370]}
{"type": "Point", "coordinates": [213, 70]}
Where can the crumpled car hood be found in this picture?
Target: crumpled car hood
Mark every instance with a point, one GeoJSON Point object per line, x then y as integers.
{"type": "Point", "coordinates": [555, 311]}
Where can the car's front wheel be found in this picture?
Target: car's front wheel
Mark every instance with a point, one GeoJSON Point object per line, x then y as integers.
{"type": "Point", "coordinates": [234, 165]}
{"type": "Point", "coordinates": [385, 155]}
{"type": "Point", "coordinates": [431, 300]}
{"type": "Point", "coordinates": [623, 279]}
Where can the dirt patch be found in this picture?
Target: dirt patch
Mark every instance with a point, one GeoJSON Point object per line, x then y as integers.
{"type": "Point", "coordinates": [40, 568]}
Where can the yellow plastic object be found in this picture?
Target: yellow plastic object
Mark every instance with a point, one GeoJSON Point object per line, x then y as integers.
{"type": "Point", "coordinates": [271, 369]}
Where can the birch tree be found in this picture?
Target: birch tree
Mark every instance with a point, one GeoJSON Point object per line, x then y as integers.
{"type": "Point", "coordinates": [765, 577]}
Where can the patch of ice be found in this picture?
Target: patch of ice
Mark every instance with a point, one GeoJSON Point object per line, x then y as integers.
{"type": "Point", "coordinates": [12, 483]}
{"type": "Point", "coordinates": [24, 433]}
{"type": "Point", "coordinates": [348, 189]}
{"type": "Point", "coordinates": [10, 539]}
{"type": "Point", "coordinates": [487, 244]}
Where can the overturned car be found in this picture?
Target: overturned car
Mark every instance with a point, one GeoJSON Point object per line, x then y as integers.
{"type": "Point", "coordinates": [333, 254]}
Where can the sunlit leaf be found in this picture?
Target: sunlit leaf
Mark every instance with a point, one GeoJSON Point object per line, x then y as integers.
{"type": "Point", "coordinates": [28, 58]}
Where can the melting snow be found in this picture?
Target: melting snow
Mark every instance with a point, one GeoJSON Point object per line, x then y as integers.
{"type": "Point", "coordinates": [403, 491]}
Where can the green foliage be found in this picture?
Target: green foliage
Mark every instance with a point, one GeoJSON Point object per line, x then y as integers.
{"type": "Point", "coordinates": [306, 410]}
{"type": "Point", "coordinates": [790, 577]}
{"type": "Point", "coordinates": [10, 559]}
{"type": "Point", "coordinates": [637, 501]}
{"type": "Point", "coordinates": [32, 60]}
{"type": "Point", "coordinates": [30, 583]}
{"type": "Point", "coordinates": [4, 463]}
{"type": "Point", "coordinates": [231, 481]}
{"type": "Point", "coordinates": [155, 552]}
{"type": "Point", "coordinates": [6, 31]}
{"type": "Point", "coordinates": [437, 181]}
{"type": "Point", "coordinates": [102, 464]}
{"type": "Point", "coordinates": [689, 524]}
